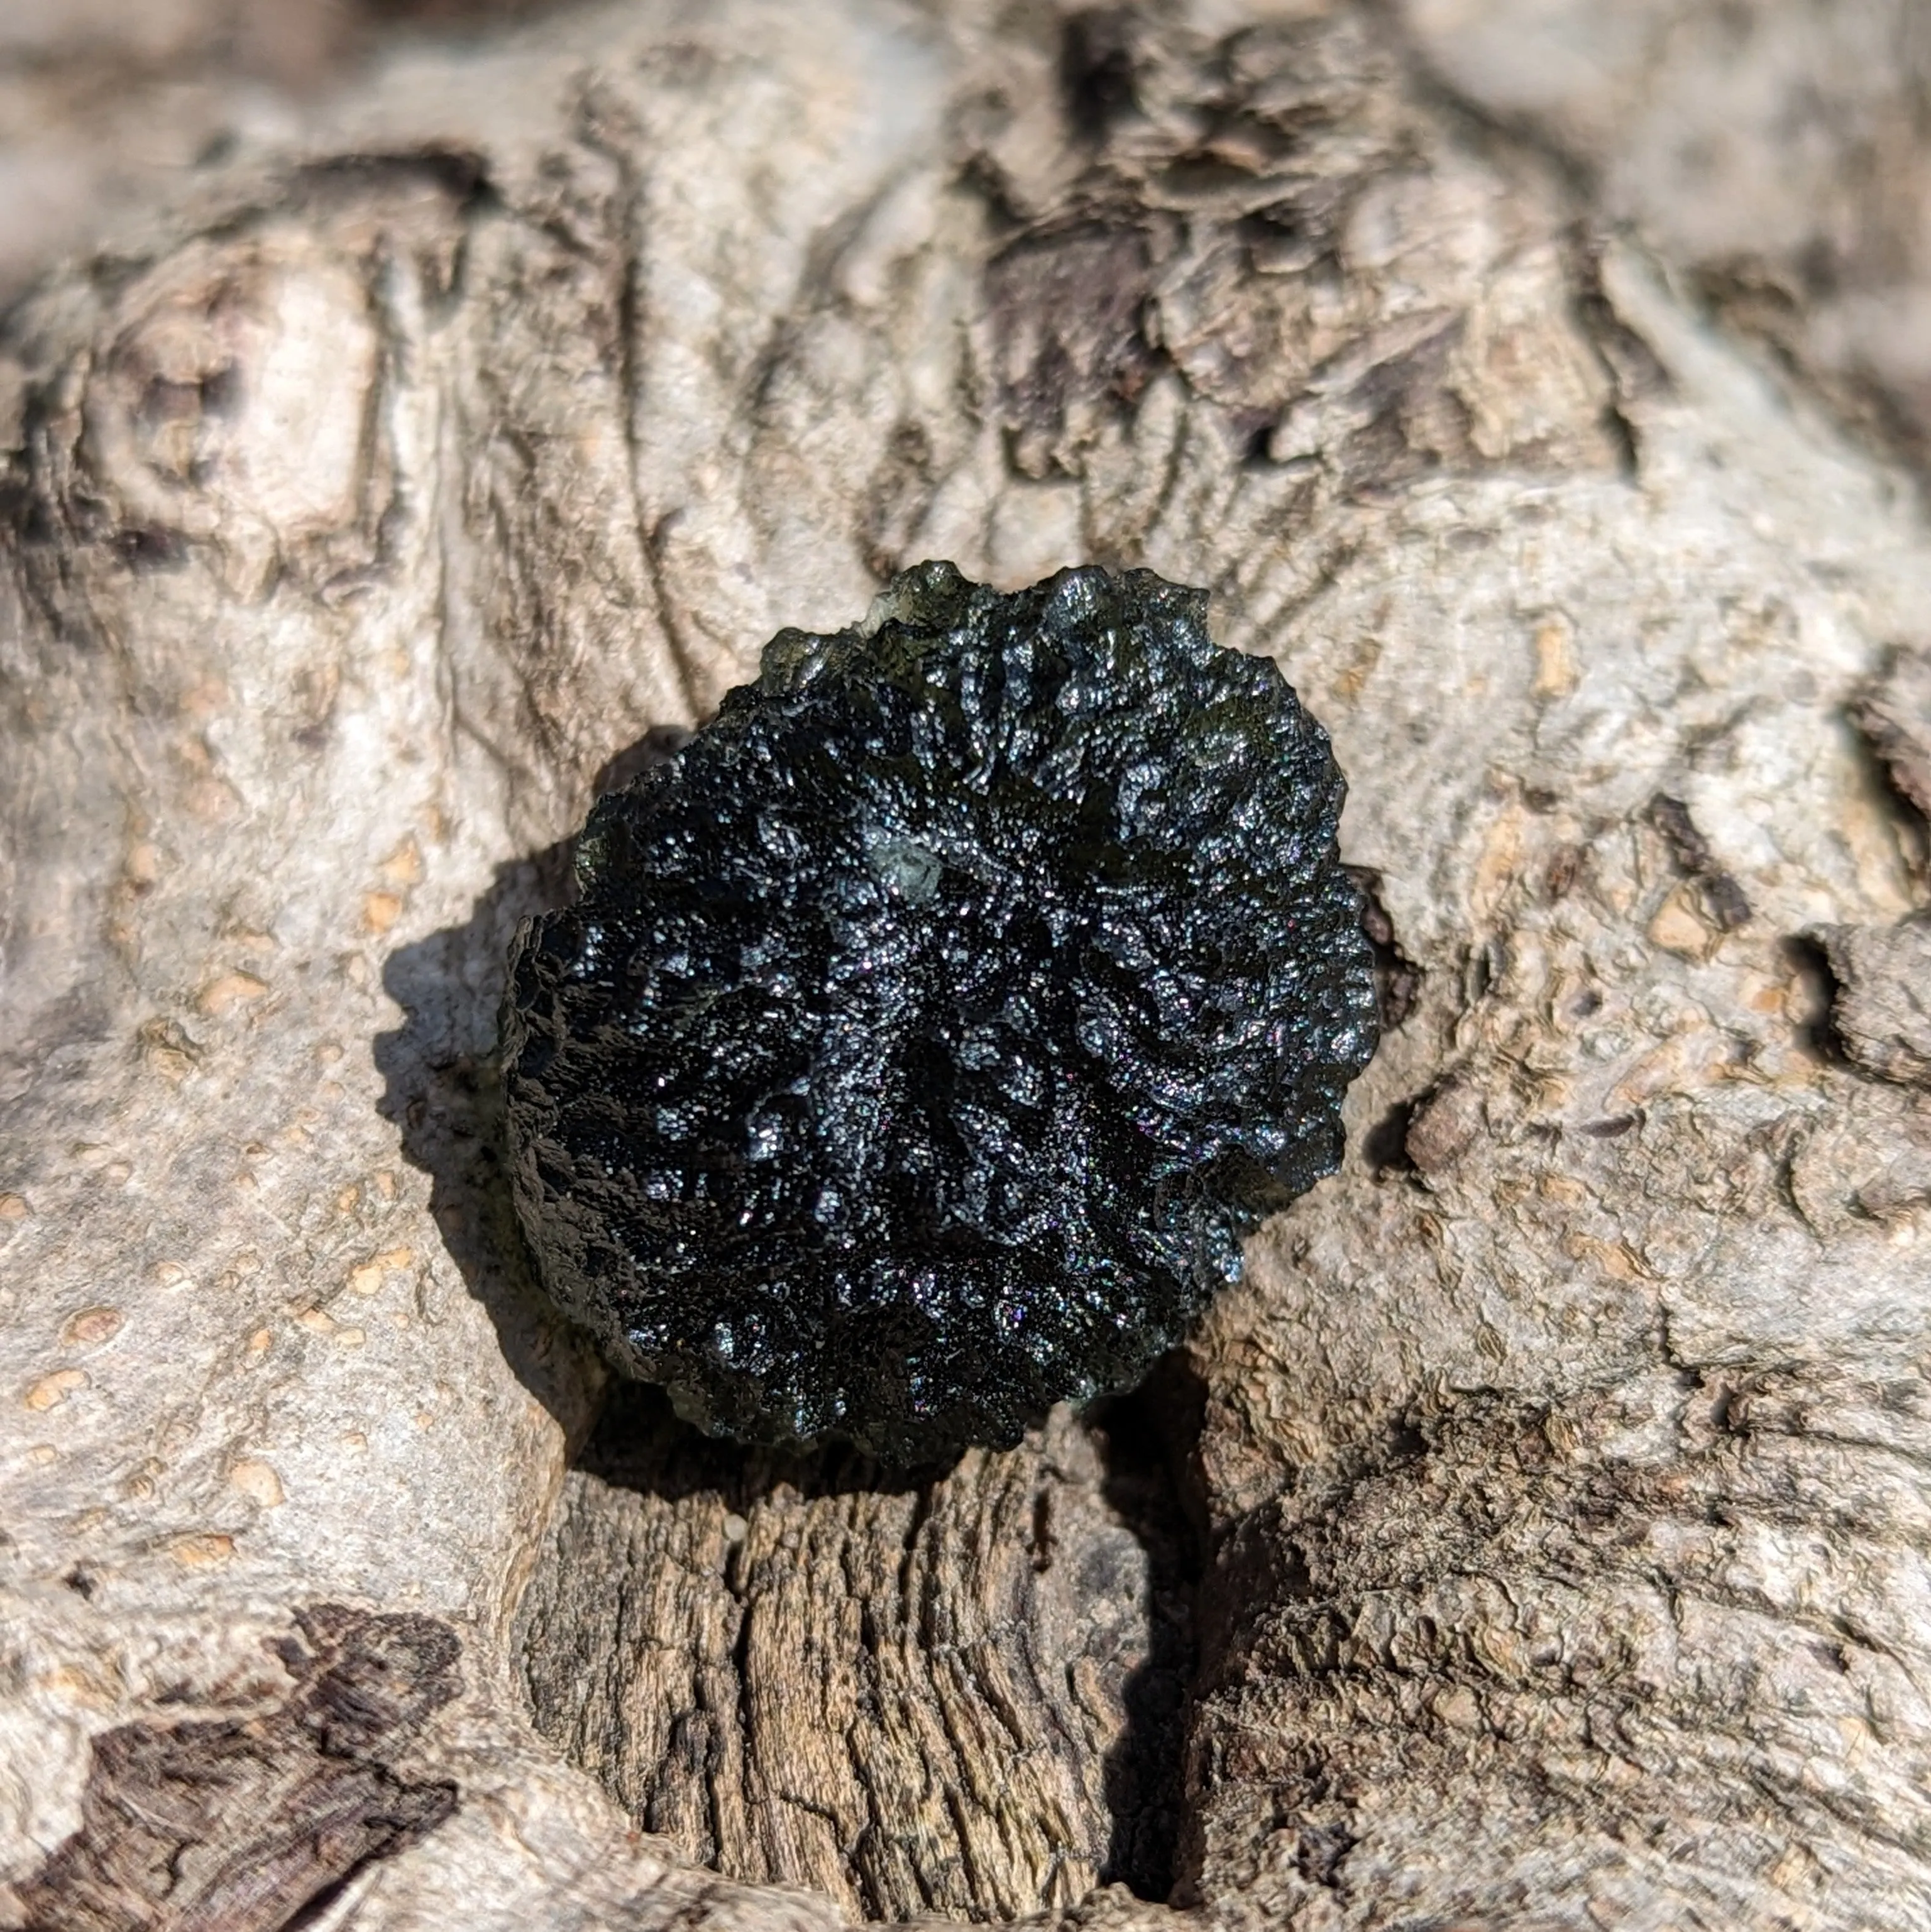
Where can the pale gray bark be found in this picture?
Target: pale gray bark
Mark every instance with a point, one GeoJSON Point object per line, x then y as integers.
{"type": "Point", "coordinates": [1534, 1538]}
{"type": "Point", "coordinates": [1774, 150]}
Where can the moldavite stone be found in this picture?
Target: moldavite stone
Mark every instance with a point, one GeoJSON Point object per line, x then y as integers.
{"type": "Point", "coordinates": [931, 1026]}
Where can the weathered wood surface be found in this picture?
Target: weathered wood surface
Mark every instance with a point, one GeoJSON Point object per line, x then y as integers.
{"type": "Point", "coordinates": [1535, 1538]}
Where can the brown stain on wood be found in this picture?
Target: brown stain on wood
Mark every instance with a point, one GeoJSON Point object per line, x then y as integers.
{"type": "Point", "coordinates": [238, 1824]}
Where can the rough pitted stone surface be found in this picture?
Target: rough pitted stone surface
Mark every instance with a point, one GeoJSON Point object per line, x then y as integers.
{"type": "Point", "coordinates": [932, 1026]}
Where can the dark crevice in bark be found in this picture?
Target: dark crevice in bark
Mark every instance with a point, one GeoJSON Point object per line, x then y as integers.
{"type": "Point", "coordinates": [639, 1448]}
{"type": "Point", "coordinates": [1096, 70]}
{"type": "Point", "coordinates": [1151, 1446]}
{"type": "Point", "coordinates": [1385, 1146]}
{"type": "Point", "coordinates": [1723, 899]}
{"type": "Point", "coordinates": [1633, 368]}
{"type": "Point", "coordinates": [1891, 714]}
{"type": "Point", "coordinates": [1814, 1009]}
{"type": "Point", "coordinates": [1398, 979]}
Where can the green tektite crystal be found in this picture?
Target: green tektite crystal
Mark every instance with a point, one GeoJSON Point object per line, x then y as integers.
{"type": "Point", "coordinates": [932, 1026]}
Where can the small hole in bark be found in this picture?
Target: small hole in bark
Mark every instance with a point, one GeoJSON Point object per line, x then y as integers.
{"type": "Point", "coordinates": [1812, 1009]}
{"type": "Point", "coordinates": [1385, 1146]}
{"type": "Point", "coordinates": [1257, 441]}
{"type": "Point", "coordinates": [220, 392]}
{"type": "Point", "coordinates": [1322, 1850]}
{"type": "Point", "coordinates": [1096, 76]}
{"type": "Point", "coordinates": [1397, 979]}
{"type": "Point", "coordinates": [149, 549]}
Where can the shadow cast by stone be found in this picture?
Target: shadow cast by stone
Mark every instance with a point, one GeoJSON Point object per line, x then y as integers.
{"type": "Point", "coordinates": [443, 1091]}
{"type": "Point", "coordinates": [641, 1445]}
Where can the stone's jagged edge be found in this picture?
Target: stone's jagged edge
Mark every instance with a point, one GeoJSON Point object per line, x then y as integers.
{"type": "Point", "coordinates": [931, 1027]}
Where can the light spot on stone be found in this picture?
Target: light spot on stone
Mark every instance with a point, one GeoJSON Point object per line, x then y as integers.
{"type": "Point", "coordinates": [208, 1550]}
{"type": "Point", "coordinates": [50, 1391]}
{"type": "Point", "coordinates": [380, 910]}
{"type": "Point", "coordinates": [91, 1326]}
{"type": "Point", "coordinates": [403, 866]}
{"type": "Point", "coordinates": [260, 1342]}
{"type": "Point", "coordinates": [231, 990]}
{"type": "Point", "coordinates": [258, 1482]}
{"type": "Point", "coordinates": [1499, 864]}
{"type": "Point", "coordinates": [1678, 928]}
{"type": "Point", "coordinates": [14, 1207]}
{"type": "Point", "coordinates": [351, 1338]}
{"type": "Point", "coordinates": [43, 1452]}
{"type": "Point", "coordinates": [1556, 674]}
{"type": "Point", "coordinates": [367, 1279]}
{"type": "Point", "coordinates": [82, 1687]}
{"type": "Point", "coordinates": [354, 1440]}
{"type": "Point", "coordinates": [735, 1527]}
{"type": "Point", "coordinates": [168, 1048]}
{"type": "Point", "coordinates": [213, 803]}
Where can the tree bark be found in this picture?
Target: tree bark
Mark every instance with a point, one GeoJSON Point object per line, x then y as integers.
{"type": "Point", "coordinates": [1534, 1537]}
